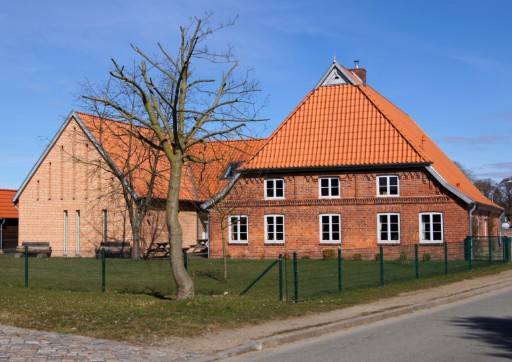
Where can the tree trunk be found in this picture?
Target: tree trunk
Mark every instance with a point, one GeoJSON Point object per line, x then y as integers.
{"type": "Point", "coordinates": [224, 254]}
{"type": "Point", "coordinates": [184, 283]}
{"type": "Point", "coordinates": [136, 239]}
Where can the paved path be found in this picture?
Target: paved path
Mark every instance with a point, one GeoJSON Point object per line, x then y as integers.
{"type": "Point", "coordinates": [17, 344]}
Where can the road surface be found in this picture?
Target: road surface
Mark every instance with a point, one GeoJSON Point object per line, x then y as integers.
{"type": "Point", "coordinates": [477, 329]}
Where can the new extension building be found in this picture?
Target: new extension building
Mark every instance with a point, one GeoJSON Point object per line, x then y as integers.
{"type": "Point", "coordinates": [73, 196]}
{"type": "Point", "coordinates": [347, 168]}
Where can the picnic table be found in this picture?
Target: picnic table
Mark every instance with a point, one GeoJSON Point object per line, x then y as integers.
{"type": "Point", "coordinates": [159, 250]}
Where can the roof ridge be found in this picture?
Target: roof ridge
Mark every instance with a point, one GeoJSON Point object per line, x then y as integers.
{"type": "Point", "coordinates": [393, 122]}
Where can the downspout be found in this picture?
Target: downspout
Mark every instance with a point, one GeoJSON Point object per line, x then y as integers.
{"type": "Point", "coordinates": [471, 219]}
{"type": "Point", "coordinates": [2, 235]}
{"type": "Point", "coordinates": [499, 224]}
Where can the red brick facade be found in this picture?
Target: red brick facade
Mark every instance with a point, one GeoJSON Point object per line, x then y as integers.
{"type": "Point", "coordinates": [358, 206]}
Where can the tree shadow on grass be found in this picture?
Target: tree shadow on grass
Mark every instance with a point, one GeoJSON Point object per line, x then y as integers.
{"type": "Point", "coordinates": [496, 332]}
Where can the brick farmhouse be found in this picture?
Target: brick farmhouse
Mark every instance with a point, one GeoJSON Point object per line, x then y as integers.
{"type": "Point", "coordinates": [345, 168]}
{"type": "Point", "coordinates": [348, 168]}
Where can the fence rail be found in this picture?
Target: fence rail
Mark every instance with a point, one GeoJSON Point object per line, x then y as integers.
{"type": "Point", "coordinates": [291, 277]}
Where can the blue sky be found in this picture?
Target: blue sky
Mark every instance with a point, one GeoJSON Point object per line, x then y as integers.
{"type": "Point", "coordinates": [448, 64]}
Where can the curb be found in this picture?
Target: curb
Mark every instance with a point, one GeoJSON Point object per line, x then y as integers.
{"type": "Point", "coordinates": [318, 330]}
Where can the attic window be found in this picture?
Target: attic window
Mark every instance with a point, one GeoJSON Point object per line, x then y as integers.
{"type": "Point", "coordinates": [231, 170]}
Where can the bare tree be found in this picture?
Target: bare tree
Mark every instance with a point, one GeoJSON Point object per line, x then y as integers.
{"type": "Point", "coordinates": [182, 107]}
{"type": "Point", "coordinates": [223, 170]}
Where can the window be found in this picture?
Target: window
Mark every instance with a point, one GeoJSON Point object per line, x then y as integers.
{"type": "Point", "coordinates": [387, 186]}
{"type": "Point", "coordinates": [329, 187]}
{"type": "Point", "coordinates": [274, 229]}
{"type": "Point", "coordinates": [238, 229]}
{"type": "Point", "coordinates": [77, 246]}
{"type": "Point", "coordinates": [104, 217]}
{"type": "Point", "coordinates": [389, 228]}
{"type": "Point", "coordinates": [330, 228]}
{"type": "Point", "coordinates": [65, 232]}
{"type": "Point", "coordinates": [274, 189]}
{"type": "Point", "coordinates": [431, 227]}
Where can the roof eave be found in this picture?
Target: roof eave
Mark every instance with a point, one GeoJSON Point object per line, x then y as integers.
{"type": "Point", "coordinates": [337, 167]}
{"type": "Point", "coordinates": [449, 187]}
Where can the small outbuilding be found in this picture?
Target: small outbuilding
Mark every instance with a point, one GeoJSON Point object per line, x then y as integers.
{"type": "Point", "coordinates": [8, 220]}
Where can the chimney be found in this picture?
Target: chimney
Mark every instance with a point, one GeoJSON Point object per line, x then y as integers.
{"type": "Point", "coordinates": [360, 72]}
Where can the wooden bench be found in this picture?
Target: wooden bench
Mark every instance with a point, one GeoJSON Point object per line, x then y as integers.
{"type": "Point", "coordinates": [114, 249]}
{"type": "Point", "coordinates": [39, 249]}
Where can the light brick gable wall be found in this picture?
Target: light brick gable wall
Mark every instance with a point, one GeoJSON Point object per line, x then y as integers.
{"type": "Point", "coordinates": [72, 183]}
{"type": "Point", "coordinates": [358, 206]}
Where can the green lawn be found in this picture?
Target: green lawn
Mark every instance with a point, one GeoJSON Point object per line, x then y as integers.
{"type": "Point", "coordinates": [144, 318]}
{"type": "Point", "coordinates": [152, 277]}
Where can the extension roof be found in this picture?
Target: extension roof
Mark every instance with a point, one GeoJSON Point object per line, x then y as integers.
{"type": "Point", "coordinates": [133, 161]}
{"type": "Point", "coordinates": [344, 123]}
{"type": "Point", "coordinates": [7, 209]}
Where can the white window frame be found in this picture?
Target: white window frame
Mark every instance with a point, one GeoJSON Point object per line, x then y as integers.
{"type": "Point", "coordinates": [379, 227]}
{"type": "Point", "coordinates": [387, 178]}
{"type": "Point", "coordinates": [330, 226]}
{"type": "Point", "coordinates": [272, 183]}
{"type": "Point", "coordinates": [274, 217]}
{"type": "Point", "coordinates": [238, 240]}
{"type": "Point", "coordinates": [329, 187]}
{"type": "Point", "coordinates": [422, 229]}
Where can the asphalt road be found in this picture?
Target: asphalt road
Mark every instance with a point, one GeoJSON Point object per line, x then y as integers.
{"type": "Point", "coordinates": [478, 329]}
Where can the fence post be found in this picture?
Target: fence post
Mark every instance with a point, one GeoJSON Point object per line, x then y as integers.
{"type": "Point", "coordinates": [103, 270]}
{"type": "Point", "coordinates": [506, 245]}
{"type": "Point", "coordinates": [340, 285]}
{"type": "Point", "coordinates": [295, 278]}
{"type": "Point", "coordinates": [489, 242]}
{"type": "Point", "coordinates": [446, 258]}
{"type": "Point", "coordinates": [26, 266]}
{"type": "Point", "coordinates": [416, 261]}
{"type": "Point", "coordinates": [185, 258]}
{"type": "Point", "coordinates": [469, 252]}
{"type": "Point", "coordinates": [280, 277]}
{"type": "Point", "coordinates": [381, 262]}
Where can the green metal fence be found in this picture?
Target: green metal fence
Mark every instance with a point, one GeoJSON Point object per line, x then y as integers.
{"type": "Point", "coordinates": [292, 278]}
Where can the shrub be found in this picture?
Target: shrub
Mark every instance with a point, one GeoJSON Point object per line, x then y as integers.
{"type": "Point", "coordinates": [328, 254]}
{"type": "Point", "coordinates": [426, 257]}
{"type": "Point", "coordinates": [377, 257]}
{"type": "Point", "coordinates": [357, 256]}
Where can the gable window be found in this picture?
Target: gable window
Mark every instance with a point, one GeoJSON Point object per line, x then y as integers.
{"type": "Point", "coordinates": [431, 227]}
{"type": "Point", "coordinates": [274, 188]}
{"type": "Point", "coordinates": [329, 187]}
{"type": "Point", "coordinates": [388, 228]}
{"type": "Point", "coordinates": [274, 229]}
{"type": "Point", "coordinates": [230, 171]}
{"type": "Point", "coordinates": [330, 228]}
{"type": "Point", "coordinates": [238, 229]}
{"type": "Point", "coordinates": [388, 185]}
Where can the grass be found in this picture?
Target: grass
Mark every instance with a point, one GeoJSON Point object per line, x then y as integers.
{"type": "Point", "coordinates": [121, 314]}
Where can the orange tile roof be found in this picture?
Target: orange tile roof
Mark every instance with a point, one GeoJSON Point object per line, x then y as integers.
{"type": "Point", "coordinates": [7, 209]}
{"type": "Point", "coordinates": [352, 125]}
{"type": "Point", "coordinates": [200, 180]}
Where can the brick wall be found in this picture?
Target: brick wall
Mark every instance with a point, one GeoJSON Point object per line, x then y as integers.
{"type": "Point", "coordinates": [72, 184]}
{"type": "Point", "coordinates": [358, 206]}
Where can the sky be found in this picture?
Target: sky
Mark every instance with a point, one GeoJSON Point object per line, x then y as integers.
{"type": "Point", "coordinates": [448, 64]}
